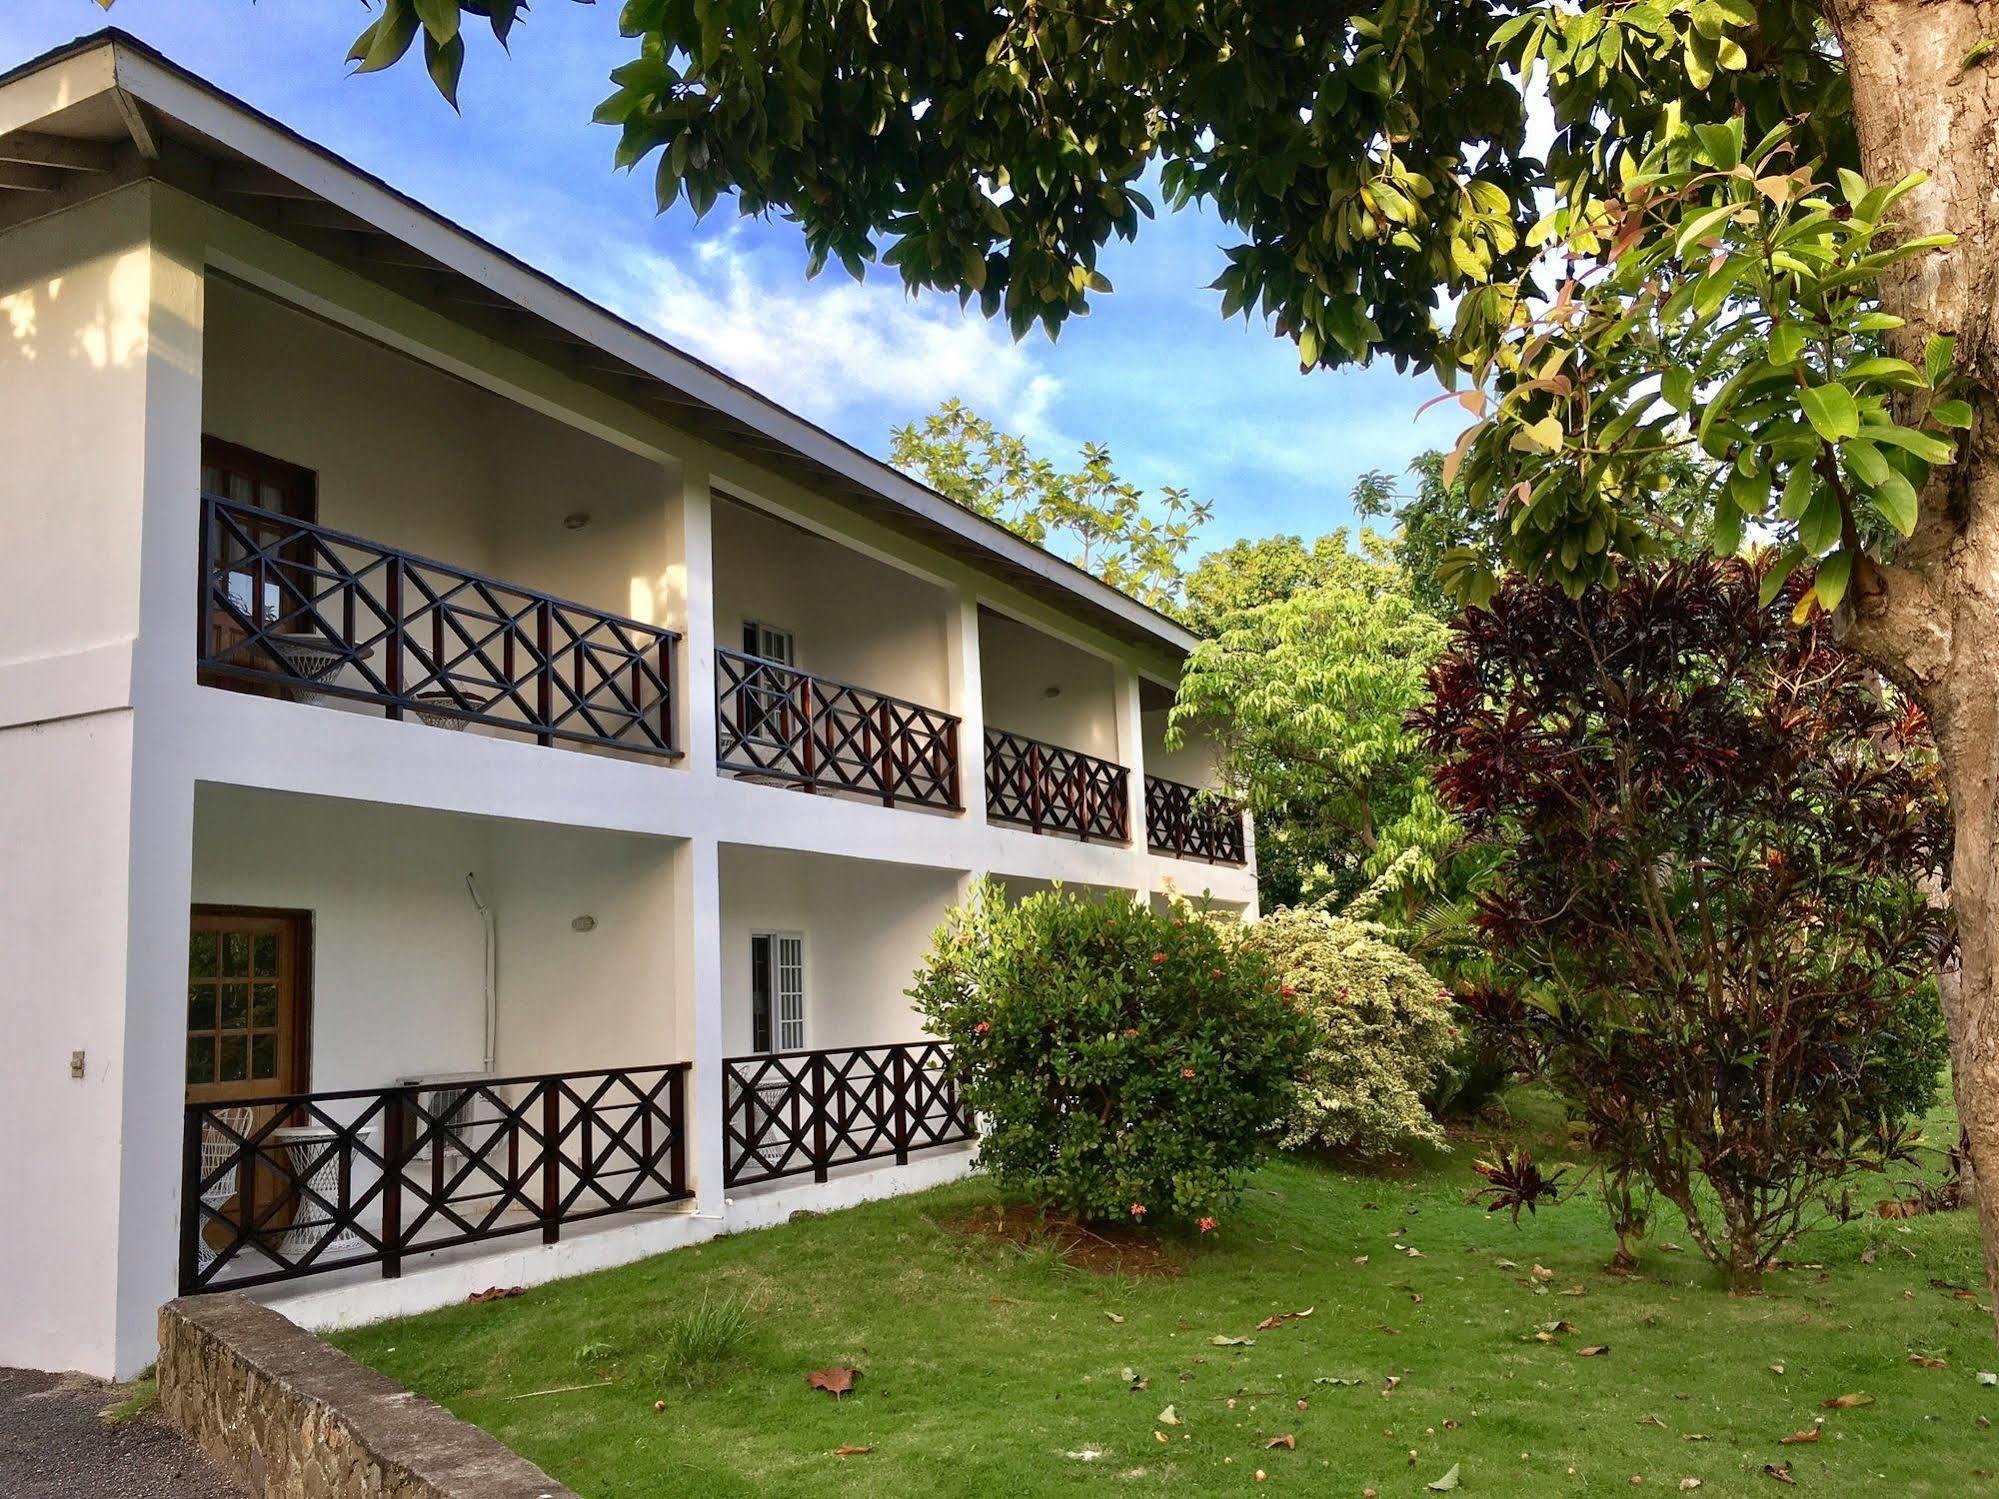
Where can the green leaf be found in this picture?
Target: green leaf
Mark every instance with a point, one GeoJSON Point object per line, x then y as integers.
{"type": "Point", "coordinates": [1773, 580]}
{"type": "Point", "coordinates": [1830, 585]}
{"type": "Point", "coordinates": [1677, 386]}
{"type": "Point", "coordinates": [1895, 498]}
{"type": "Point", "coordinates": [1852, 186]}
{"type": "Point", "coordinates": [1787, 342]}
{"type": "Point", "coordinates": [439, 17]}
{"type": "Point", "coordinates": [1445, 1484]}
{"type": "Point", "coordinates": [1703, 224]}
{"type": "Point", "coordinates": [390, 37]}
{"type": "Point", "coordinates": [1952, 413]}
{"type": "Point", "coordinates": [1864, 461]}
{"type": "Point", "coordinates": [1725, 534]}
{"type": "Point", "coordinates": [1831, 410]}
{"type": "Point", "coordinates": [1819, 529]}
{"type": "Point", "coordinates": [444, 62]}
{"type": "Point", "coordinates": [1750, 493]}
{"type": "Point", "coordinates": [1798, 487]}
{"type": "Point", "coordinates": [1938, 355]}
{"type": "Point", "coordinates": [1925, 445]}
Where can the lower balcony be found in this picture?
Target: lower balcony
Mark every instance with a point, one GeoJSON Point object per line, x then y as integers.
{"type": "Point", "coordinates": [776, 723]}
{"type": "Point", "coordinates": [295, 610]}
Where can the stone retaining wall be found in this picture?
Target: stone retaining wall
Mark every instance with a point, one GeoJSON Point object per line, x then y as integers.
{"type": "Point", "coordinates": [295, 1418]}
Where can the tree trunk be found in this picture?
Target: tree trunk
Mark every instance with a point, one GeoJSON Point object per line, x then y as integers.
{"type": "Point", "coordinates": [1929, 617]}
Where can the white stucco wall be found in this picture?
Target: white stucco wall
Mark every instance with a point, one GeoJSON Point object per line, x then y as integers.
{"type": "Point", "coordinates": [409, 456]}
{"type": "Point", "coordinates": [866, 927]}
{"type": "Point", "coordinates": [573, 1001]}
{"type": "Point", "coordinates": [1018, 665]}
{"type": "Point", "coordinates": [855, 619]}
{"type": "Point", "coordinates": [1192, 764]}
{"type": "Point", "coordinates": [398, 954]}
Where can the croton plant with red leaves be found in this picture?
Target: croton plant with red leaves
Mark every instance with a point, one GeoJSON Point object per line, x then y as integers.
{"type": "Point", "coordinates": [1714, 930]}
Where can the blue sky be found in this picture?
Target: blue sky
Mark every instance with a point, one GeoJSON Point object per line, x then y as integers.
{"type": "Point", "coordinates": [1180, 396]}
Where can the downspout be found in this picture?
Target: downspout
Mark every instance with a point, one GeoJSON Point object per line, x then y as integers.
{"type": "Point", "coordinates": [492, 977]}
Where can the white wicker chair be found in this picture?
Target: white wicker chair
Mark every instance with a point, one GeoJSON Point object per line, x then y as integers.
{"type": "Point", "coordinates": [219, 1151]}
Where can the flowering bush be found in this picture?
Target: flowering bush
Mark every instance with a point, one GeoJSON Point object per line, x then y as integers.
{"type": "Point", "coordinates": [1124, 1063]}
{"type": "Point", "coordinates": [1382, 1031]}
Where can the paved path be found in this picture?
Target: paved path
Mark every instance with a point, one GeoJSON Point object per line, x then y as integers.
{"type": "Point", "coordinates": [53, 1446]}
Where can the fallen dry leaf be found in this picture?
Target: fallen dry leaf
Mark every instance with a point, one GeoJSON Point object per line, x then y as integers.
{"type": "Point", "coordinates": [495, 1293]}
{"type": "Point", "coordinates": [1779, 1471]}
{"type": "Point", "coordinates": [1848, 1402]}
{"type": "Point", "coordinates": [1799, 1438]}
{"type": "Point", "coordinates": [1652, 1421]}
{"type": "Point", "coordinates": [852, 1451]}
{"type": "Point", "coordinates": [1776, 1368]}
{"type": "Point", "coordinates": [1288, 1442]}
{"type": "Point", "coordinates": [1115, 1317]}
{"type": "Point", "coordinates": [835, 1381]}
{"type": "Point", "coordinates": [1169, 1417]}
{"type": "Point", "coordinates": [1924, 1361]}
{"type": "Point", "coordinates": [1689, 1483]}
{"type": "Point", "coordinates": [1595, 1350]}
{"type": "Point", "coordinates": [1541, 1272]}
{"type": "Point", "coordinates": [1222, 1340]}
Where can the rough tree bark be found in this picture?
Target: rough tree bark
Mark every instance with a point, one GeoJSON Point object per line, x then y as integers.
{"type": "Point", "coordinates": [1930, 619]}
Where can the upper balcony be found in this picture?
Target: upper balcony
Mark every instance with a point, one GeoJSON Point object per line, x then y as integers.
{"type": "Point", "coordinates": [801, 622]}
{"type": "Point", "coordinates": [1185, 817]}
{"type": "Point", "coordinates": [377, 536]}
{"type": "Point", "coordinates": [1051, 739]}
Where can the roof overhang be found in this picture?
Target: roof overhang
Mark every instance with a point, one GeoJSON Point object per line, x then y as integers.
{"type": "Point", "coordinates": [107, 109]}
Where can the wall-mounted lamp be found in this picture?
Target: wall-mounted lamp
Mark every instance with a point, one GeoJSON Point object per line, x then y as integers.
{"type": "Point", "coordinates": [576, 520]}
{"type": "Point", "coordinates": [1051, 692]}
{"type": "Point", "coordinates": [583, 924]}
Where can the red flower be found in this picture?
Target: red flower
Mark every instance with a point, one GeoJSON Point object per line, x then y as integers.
{"type": "Point", "coordinates": [1186, 1071]}
{"type": "Point", "coordinates": [1288, 992]}
{"type": "Point", "coordinates": [1138, 1210]}
{"type": "Point", "coordinates": [1131, 1031]}
{"type": "Point", "coordinates": [982, 1028]}
{"type": "Point", "coordinates": [1207, 1225]}
{"type": "Point", "coordinates": [1158, 958]}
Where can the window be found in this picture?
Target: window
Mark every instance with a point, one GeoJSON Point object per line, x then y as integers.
{"type": "Point", "coordinates": [777, 991]}
{"type": "Point", "coordinates": [769, 643]}
{"type": "Point", "coordinates": [765, 703]}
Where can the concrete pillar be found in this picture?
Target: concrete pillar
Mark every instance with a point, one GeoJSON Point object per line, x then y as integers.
{"type": "Point", "coordinates": [967, 691]}
{"type": "Point", "coordinates": [691, 588]}
{"type": "Point", "coordinates": [697, 950]}
{"type": "Point", "coordinates": [1131, 755]}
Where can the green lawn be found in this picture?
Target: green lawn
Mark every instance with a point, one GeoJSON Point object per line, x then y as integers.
{"type": "Point", "coordinates": [992, 1370]}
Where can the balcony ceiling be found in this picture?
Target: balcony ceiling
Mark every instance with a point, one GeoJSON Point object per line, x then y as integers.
{"type": "Point", "coordinates": [107, 110]}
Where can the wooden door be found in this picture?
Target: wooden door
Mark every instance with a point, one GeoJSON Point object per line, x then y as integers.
{"type": "Point", "coordinates": [248, 1025]}
{"type": "Point", "coordinates": [246, 477]}
{"type": "Point", "coordinates": [246, 1004]}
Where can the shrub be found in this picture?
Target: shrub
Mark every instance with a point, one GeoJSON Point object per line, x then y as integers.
{"type": "Point", "coordinates": [1711, 931]}
{"type": "Point", "coordinates": [698, 1342]}
{"type": "Point", "coordinates": [1382, 1031]}
{"type": "Point", "coordinates": [1125, 1064]}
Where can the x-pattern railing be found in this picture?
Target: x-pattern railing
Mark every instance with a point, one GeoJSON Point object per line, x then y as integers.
{"type": "Point", "coordinates": [1193, 824]}
{"type": "Point", "coordinates": [290, 603]}
{"type": "Point", "coordinates": [774, 720]}
{"type": "Point", "coordinates": [324, 1181]}
{"type": "Point", "coordinates": [1048, 789]}
{"type": "Point", "coordinates": [787, 1113]}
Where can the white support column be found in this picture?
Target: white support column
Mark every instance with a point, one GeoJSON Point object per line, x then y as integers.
{"type": "Point", "coordinates": [697, 952]}
{"type": "Point", "coordinates": [967, 690]}
{"type": "Point", "coordinates": [1131, 755]}
{"type": "Point", "coordinates": [692, 577]}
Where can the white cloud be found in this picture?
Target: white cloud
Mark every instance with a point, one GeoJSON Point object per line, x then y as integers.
{"type": "Point", "coordinates": [834, 349]}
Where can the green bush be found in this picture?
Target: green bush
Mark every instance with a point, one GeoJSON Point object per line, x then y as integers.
{"type": "Point", "coordinates": [1125, 1064]}
{"type": "Point", "coordinates": [1382, 1031]}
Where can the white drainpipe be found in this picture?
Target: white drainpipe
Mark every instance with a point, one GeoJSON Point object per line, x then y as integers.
{"type": "Point", "coordinates": [492, 976]}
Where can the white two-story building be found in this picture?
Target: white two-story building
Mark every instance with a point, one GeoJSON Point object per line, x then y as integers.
{"type": "Point", "coordinates": [475, 782]}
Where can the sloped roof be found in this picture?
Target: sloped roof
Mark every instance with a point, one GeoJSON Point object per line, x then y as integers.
{"type": "Point", "coordinates": [107, 109]}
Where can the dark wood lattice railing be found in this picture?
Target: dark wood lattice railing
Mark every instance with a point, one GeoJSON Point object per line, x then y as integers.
{"type": "Point", "coordinates": [774, 720]}
{"type": "Point", "coordinates": [311, 612]}
{"type": "Point", "coordinates": [1189, 823]}
{"type": "Point", "coordinates": [298, 1184]}
{"type": "Point", "coordinates": [1049, 789]}
{"type": "Point", "coordinates": [787, 1113]}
